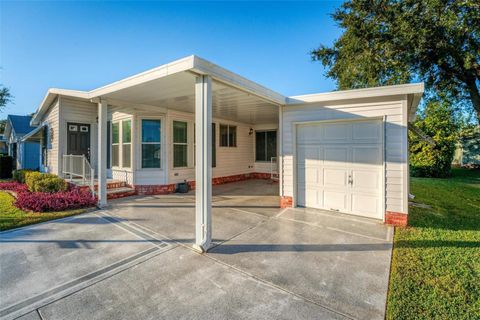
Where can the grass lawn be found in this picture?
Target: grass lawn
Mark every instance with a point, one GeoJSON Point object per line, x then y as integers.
{"type": "Point", "coordinates": [436, 261]}
{"type": "Point", "coordinates": [12, 217]}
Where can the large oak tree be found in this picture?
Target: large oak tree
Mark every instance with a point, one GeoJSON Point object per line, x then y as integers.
{"type": "Point", "coordinates": [396, 41]}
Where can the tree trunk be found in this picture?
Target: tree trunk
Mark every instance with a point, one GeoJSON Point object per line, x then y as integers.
{"type": "Point", "coordinates": [474, 95]}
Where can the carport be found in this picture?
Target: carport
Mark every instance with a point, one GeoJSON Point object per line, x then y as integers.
{"type": "Point", "coordinates": [189, 85]}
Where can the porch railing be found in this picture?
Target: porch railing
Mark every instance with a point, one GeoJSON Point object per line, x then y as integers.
{"type": "Point", "coordinates": [273, 168]}
{"type": "Point", "coordinates": [78, 167]}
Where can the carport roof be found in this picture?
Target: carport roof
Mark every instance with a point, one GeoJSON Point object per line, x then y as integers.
{"type": "Point", "coordinates": [234, 97]}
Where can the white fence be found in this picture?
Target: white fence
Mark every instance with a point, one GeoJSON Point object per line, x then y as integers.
{"type": "Point", "coordinates": [78, 167]}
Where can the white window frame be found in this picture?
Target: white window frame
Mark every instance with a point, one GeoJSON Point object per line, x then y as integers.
{"type": "Point", "coordinates": [119, 165]}
{"type": "Point", "coordinates": [128, 144]}
{"type": "Point", "coordinates": [276, 144]}
{"type": "Point", "coordinates": [180, 143]}
{"type": "Point", "coordinates": [161, 143]}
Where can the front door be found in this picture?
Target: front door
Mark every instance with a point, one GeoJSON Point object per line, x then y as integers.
{"type": "Point", "coordinates": [78, 139]}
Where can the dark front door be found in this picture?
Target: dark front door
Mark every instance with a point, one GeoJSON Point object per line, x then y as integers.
{"type": "Point", "coordinates": [78, 139]}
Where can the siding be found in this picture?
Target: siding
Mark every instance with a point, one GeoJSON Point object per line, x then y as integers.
{"type": "Point", "coordinates": [396, 160]}
{"type": "Point", "coordinates": [51, 119]}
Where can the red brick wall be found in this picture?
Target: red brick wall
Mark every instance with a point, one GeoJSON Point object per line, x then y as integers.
{"type": "Point", "coordinates": [170, 188]}
{"type": "Point", "coordinates": [286, 202]}
{"type": "Point", "coordinates": [396, 218]}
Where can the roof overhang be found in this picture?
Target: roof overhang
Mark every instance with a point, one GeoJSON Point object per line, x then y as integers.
{"type": "Point", "coordinates": [413, 91]}
{"type": "Point", "coordinates": [181, 72]}
{"type": "Point", "coordinates": [34, 135]}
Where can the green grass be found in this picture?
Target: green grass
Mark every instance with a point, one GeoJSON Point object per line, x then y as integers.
{"type": "Point", "coordinates": [436, 261]}
{"type": "Point", "coordinates": [12, 217]}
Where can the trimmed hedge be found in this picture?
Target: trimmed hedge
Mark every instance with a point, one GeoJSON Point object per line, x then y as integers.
{"type": "Point", "coordinates": [44, 182]}
{"type": "Point", "coordinates": [19, 175]}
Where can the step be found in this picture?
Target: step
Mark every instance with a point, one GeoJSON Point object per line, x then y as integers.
{"type": "Point", "coordinates": [121, 192]}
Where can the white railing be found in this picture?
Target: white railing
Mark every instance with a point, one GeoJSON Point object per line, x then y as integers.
{"type": "Point", "coordinates": [273, 168]}
{"type": "Point", "coordinates": [78, 167]}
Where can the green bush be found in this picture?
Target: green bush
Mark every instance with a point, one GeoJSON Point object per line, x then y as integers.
{"type": "Point", "coordinates": [44, 182]}
{"type": "Point", "coordinates": [439, 122]}
{"type": "Point", "coordinates": [19, 175]}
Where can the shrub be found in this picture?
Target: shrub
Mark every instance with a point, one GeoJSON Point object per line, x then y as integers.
{"type": "Point", "coordinates": [13, 186]}
{"type": "Point", "coordinates": [44, 182]}
{"type": "Point", "coordinates": [19, 175]}
{"type": "Point", "coordinates": [6, 167]}
{"type": "Point", "coordinates": [438, 122]}
{"type": "Point", "coordinates": [60, 201]}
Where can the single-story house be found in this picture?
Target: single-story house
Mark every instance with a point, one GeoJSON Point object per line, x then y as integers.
{"type": "Point", "coordinates": [26, 154]}
{"type": "Point", "coordinates": [191, 120]}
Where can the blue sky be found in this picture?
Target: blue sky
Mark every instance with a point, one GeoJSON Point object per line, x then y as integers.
{"type": "Point", "coordinates": [83, 45]}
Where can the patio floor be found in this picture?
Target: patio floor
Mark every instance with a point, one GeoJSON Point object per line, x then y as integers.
{"type": "Point", "coordinates": [134, 260]}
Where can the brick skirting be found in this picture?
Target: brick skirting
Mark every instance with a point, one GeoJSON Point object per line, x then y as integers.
{"type": "Point", "coordinates": [397, 219]}
{"type": "Point", "coordinates": [286, 202]}
{"type": "Point", "coordinates": [170, 188]}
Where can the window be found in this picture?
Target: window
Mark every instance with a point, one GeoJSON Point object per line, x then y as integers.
{"type": "Point", "coordinates": [265, 145]}
{"type": "Point", "coordinates": [109, 143]}
{"type": "Point", "coordinates": [45, 146]}
{"type": "Point", "coordinates": [151, 143]}
{"type": "Point", "coordinates": [115, 144]}
{"type": "Point", "coordinates": [126, 143]}
{"type": "Point", "coordinates": [228, 136]}
{"type": "Point", "coordinates": [180, 144]}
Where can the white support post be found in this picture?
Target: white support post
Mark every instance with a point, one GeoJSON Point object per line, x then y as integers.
{"type": "Point", "coordinates": [203, 167]}
{"type": "Point", "coordinates": [102, 153]}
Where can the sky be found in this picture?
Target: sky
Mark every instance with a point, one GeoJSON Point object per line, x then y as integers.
{"type": "Point", "coordinates": [84, 45]}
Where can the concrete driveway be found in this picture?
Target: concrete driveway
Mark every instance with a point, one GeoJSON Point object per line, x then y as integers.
{"type": "Point", "coordinates": [134, 261]}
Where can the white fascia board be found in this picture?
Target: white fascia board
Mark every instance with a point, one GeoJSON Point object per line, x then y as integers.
{"type": "Point", "coordinates": [31, 133]}
{"type": "Point", "coordinates": [176, 66]}
{"type": "Point", "coordinates": [402, 89]}
{"type": "Point", "coordinates": [203, 67]}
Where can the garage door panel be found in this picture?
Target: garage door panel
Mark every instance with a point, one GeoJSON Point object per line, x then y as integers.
{"type": "Point", "coordinates": [366, 181]}
{"type": "Point", "coordinates": [334, 156]}
{"type": "Point", "coordinates": [335, 200]}
{"type": "Point", "coordinates": [366, 205]}
{"type": "Point", "coordinates": [335, 177]}
{"type": "Point", "coordinates": [367, 155]}
{"type": "Point", "coordinates": [367, 131]}
{"type": "Point", "coordinates": [335, 132]}
{"type": "Point", "coordinates": [341, 168]}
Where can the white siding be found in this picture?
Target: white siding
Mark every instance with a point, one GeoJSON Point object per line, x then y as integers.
{"type": "Point", "coordinates": [51, 119]}
{"type": "Point", "coordinates": [393, 110]}
{"type": "Point", "coordinates": [79, 112]}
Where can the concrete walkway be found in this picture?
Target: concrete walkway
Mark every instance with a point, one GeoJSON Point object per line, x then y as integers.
{"type": "Point", "coordinates": [134, 261]}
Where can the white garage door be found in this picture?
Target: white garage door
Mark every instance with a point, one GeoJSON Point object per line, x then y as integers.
{"type": "Point", "coordinates": [339, 167]}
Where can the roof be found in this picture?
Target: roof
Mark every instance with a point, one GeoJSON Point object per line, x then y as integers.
{"type": "Point", "coordinates": [198, 66]}
{"type": "Point", "coordinates": [20, 124]}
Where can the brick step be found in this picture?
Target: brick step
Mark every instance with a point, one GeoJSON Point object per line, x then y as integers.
{"type": "Point", "coordinates": [122, 192]}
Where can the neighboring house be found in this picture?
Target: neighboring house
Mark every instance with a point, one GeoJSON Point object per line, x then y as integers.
{"type": "Point", "coordinates": [343, 151]}
{"type": "Point", "coordinates": [26, 154]}
{"type": "Point", "coordinates": [3, 145]}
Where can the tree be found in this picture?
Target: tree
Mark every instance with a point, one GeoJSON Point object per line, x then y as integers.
{"type": "Point", "coordinates": [439, 122]}
{"type": "Point", "coordinates": [3, 122]}
{"type": "Point", "coordinates": [396, 41]}
{"type": "Point", "coordinates": [5, 96]}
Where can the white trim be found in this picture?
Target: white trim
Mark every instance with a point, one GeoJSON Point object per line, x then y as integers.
{"type": "Point", "coordinates": [402, 89]}
{"type": "Point", "coordinates": [294, 154]}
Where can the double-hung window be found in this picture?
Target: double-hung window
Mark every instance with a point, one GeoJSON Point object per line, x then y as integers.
{"type": "Point", "coordinates": [228, 136]}
{"type": "Point", "coordinates": [126, 143]}
{"type": "Point", "coordinates": [115, 144]}
{"type": "Point", "coordinates": [180, 144]}
{"type": "Point", "coordinates": [265, 145]}
{"type": "Point", "coordinates": [151, 143]}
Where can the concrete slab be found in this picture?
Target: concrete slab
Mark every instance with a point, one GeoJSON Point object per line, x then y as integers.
{"type": "Point", "coordinates": [57, 255]}
{"type": "Point", "coordinates": [30, 316]}
{"type": "Point", "coordinates": [180, 284]}
{"type": "Point", "coordinates": [340, 270]}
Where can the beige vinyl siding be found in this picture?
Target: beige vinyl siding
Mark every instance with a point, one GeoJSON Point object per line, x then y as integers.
{"type": "Point", "coordinates": [392, 109]}
{"type": "Point", "coordinates": [51, 119]}
{"type": "Point", "coordinates": [79, 112]}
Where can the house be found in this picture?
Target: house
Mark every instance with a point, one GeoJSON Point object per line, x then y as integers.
{"type": "Point", "coordinates": [26, 154]}
{"type": "Point", "coordinates": [3, 145]}
{"type": "Point", "coordinates": [191, 120]}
